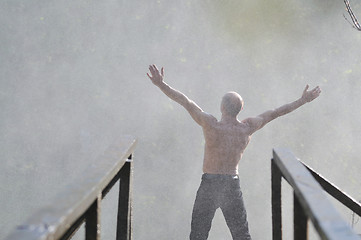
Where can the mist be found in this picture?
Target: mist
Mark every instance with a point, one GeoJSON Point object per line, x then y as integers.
{"type": "Point", "coordinates": [73, 79]}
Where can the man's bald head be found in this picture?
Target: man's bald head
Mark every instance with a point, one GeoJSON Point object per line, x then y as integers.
{"type": "Point", "coordinates": [232, 104]}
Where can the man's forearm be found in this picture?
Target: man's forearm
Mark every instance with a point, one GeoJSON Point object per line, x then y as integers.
{"type": "Point", "coordinates": [173, 94]}
{"type": "Point", "coordinates": [287, 108]}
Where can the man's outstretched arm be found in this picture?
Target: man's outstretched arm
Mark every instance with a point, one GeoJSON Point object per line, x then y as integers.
{"type": "Point", "coordinates": [261, 120]}
{"type": "Point", "coordinates": [194, 110]}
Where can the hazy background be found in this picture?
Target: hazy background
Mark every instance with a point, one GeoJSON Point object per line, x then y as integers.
{"type": "Point", "coordinates": [73, 79]}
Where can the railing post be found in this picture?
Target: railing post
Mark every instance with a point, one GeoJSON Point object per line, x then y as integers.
{"type": "Point", "coordinates": [300, 226]}
{"type": "Point", "coordinates": [276, 202]}
{"type": "Point", "coordinates": [310, 201]}
{"type": "Point", "coordinates": [124, 231]}
{"type": "Point", "coordinates": [81, 202]}
{"type": "Point", "coordinates": [92, 221]}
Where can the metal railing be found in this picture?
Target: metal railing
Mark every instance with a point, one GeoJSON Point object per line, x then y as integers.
{"type": "Point", "coordinates": [310, 200]}
{"type": "Point", "coordinates": [64, 216]}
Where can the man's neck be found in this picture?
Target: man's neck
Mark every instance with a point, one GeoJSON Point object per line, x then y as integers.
{"type": "Point", "coordinates": [228, 119]}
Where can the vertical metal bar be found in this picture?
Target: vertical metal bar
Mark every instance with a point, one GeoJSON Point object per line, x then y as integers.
{"type": "Point", "coordinates": [130, 206]}
{"type": "Point", "coordinates": [92, 221]}
{"type": "Point", "coordinates": [73, 229]}
{"type": "Point", "coordinates": [124, 204]}
{"type": "Point", "coordinates": [300, 226]}
{"type": "Point", "coordinates": [276, 202]}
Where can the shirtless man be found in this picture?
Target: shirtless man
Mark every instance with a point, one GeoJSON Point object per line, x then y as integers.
{"type": "Point", "coordinates": [225, 142]}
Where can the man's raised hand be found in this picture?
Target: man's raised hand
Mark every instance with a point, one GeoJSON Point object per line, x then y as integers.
{"type": "Point", "coordinates": [310, 95]}
{"type": "Point", "coordinates": [155, 75]}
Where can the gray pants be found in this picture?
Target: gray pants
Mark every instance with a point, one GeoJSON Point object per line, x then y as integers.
{"type": "Point", "coordinates": [219, 191]}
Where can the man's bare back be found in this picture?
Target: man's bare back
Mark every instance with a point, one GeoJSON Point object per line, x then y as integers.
{"type": "Point", "coordinates": [225, 142]}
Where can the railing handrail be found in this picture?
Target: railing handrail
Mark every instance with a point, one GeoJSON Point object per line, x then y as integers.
{"type": "Point", "coordinates": [311, 197]}
{"type": "Point", "coordinates": [335, 192]}
{"type": "Point", "coordinates": [53, 221]}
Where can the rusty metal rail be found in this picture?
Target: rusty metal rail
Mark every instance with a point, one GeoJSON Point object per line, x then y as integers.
{"type": "Point", "coordinates": [81, 203]}
{"type": "Point", "coordinates": [310, 200]}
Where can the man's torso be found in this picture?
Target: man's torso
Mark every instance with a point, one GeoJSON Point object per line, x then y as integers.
{"type": "Point", "coordinates": [224, 146]}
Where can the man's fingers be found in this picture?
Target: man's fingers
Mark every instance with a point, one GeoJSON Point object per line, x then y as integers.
{"type": "Point", "coordinates": [154, 70]}
{"type": "Point", "coordinates": [151, 69]}
{"type": "Point", "coordinates": [155, 67]}
{"type": "Point", "coordinates": [149, 76]}
{"type": "Point", "coordinates": [307, 86]}
{"type": "Point", "coordinates": [317, 90]}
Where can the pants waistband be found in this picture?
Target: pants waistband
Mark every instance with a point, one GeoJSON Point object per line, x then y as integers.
{"type": "Point", "coordinates": [209, 176]}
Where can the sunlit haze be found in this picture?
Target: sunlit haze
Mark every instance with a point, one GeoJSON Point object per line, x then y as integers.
{"type": "Point", "coordinates": [73, 79]}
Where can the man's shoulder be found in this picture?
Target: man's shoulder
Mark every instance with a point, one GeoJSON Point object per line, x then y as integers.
{"type": "Point", "coordinates": [251, 123]}
{"type": "Point", "coordinates": [246, 121]}
{"type": "Point", "coordinates": [209, 118]}
{"type": "Point", "coordinates": [251, 120]}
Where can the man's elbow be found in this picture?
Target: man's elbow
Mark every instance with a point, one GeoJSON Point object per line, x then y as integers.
{"type": "Point", "coordinates": [187, 104]}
